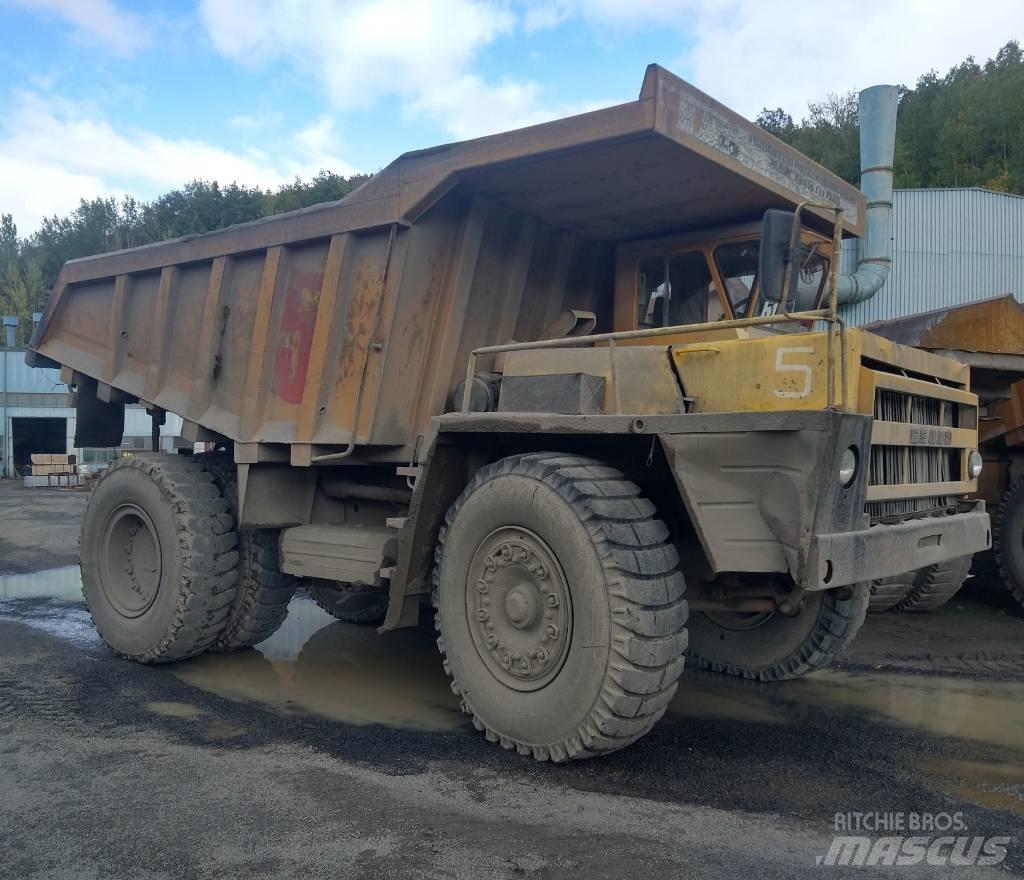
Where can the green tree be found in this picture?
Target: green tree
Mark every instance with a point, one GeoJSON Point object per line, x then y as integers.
{"type": "Point", "coordinates": [962, 129]}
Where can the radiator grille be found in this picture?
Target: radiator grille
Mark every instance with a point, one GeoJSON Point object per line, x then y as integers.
{"type": "Point", "coordinates": [902, 465]}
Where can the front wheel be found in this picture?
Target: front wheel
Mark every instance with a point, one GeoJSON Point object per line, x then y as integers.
{"type": "Point", "coordinates": [560, 607]}
{"type": "Point", "coordinates": [772, 646]}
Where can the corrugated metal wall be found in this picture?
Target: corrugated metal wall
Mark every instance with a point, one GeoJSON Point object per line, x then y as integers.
{"type": "Point", "coordinates": [950, 246]}
{"type": "Point", "coordinates": [20, 377]}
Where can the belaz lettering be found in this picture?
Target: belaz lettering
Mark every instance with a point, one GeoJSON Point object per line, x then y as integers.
{"type": "Point", "coordinates": [930, 437]}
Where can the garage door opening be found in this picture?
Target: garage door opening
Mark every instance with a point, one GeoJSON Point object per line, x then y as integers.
{"type": "Point", "coordinates": [30, 436]}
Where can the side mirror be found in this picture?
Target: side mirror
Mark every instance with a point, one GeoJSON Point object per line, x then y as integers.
{"type": "Point", "coordinates": [775, 254]}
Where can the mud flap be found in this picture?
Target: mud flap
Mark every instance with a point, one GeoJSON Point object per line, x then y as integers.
{"type": "Point", "coordinates": [97, 424]}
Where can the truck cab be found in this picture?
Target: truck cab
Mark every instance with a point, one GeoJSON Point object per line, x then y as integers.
{"type": "Point", "coordinates": [707, 276]}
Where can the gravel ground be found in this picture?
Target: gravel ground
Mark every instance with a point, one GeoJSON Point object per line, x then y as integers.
{"type": "Point", "coordinates": [331, 751]}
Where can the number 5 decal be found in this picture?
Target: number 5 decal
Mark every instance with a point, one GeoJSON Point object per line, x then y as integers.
{"type": "Point", "coordinates": [802, 369]}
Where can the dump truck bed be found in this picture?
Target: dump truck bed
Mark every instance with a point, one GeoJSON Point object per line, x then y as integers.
{"type": "Point", "coordinates": [352, 321]}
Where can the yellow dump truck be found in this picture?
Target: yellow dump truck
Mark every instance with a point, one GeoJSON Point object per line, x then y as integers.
{"type": "Point", "coordinates": [541, 381]}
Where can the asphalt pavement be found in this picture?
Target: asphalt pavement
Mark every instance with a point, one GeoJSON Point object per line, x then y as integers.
{"type": "Point", "coordinates": [334, 752]}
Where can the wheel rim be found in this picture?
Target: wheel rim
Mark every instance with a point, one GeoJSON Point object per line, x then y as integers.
{"type": "Point", "coordinates": [519, 608]}
{"type": "Point", "coordinates": [130, 561]}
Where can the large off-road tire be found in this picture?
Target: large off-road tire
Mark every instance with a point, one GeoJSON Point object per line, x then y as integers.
{"type": "Point", "coordinates": [158, 558]}
{"type": "Point", "coordinates": [352, 603]}
{"type": "Point", "coordinates": [773, 647]}
{"type": "Point", "coordinates": [886, 593]}
{"type": "Point", "coordinates": [263, 591]}
{"type": "Point", "coordinates": [1008, 539]}
{"type": "Point", "coordinates": [934, 585]}
{"type": "Point", "coordinates": [559, 604]}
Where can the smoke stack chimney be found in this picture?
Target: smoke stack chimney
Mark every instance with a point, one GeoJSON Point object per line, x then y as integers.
{"type": "Point", "coordinates": [10, 324]}
{"type": "Point", "coordinates": [877, 145]}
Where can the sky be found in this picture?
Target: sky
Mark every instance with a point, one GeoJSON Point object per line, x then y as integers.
{"type": "Point", "coordinates": [110, 97]}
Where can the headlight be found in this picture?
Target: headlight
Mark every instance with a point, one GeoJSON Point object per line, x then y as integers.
{"type": "Point", "coordinates": [974, 464]}
{"type": "Point", "coordinates": [848, 467]}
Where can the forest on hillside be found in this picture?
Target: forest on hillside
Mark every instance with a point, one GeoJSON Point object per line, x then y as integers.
{"type": "Point", "coordinates": [962, 129]}
{"type": "Point", "coordinates": [965, 128]}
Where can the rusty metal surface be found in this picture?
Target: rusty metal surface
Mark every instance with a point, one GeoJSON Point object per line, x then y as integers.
{"type": "Point", "coordinates": [991, 326]}
{"type": "Point", "coordinates": [350, 323]}
{"type": "Point", "coordinates": [678, 156]}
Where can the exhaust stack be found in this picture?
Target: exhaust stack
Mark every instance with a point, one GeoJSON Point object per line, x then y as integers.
{"type": "Point", "coordinates": [877, 145]}
{"type": "Point", "coordinates": [10, 325]}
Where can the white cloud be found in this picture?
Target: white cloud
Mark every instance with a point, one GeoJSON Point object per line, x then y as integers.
{"type": "Point", "coordinates": [751, 54]}
{"type": "Point", "coordinates": [99, 21]}
{"type": "Point", "coordinates": [360, 51]}
{"type": "Point", "coordinates": [54, 152]}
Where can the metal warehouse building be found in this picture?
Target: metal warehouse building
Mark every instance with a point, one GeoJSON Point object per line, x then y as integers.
{"type": "Point", "coordinates": [950, 247]}
{"type": "Point", "coordinates": [36, 415]}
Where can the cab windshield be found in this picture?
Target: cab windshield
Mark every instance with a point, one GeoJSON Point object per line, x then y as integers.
{"type": "Point", "coordinates": [737, 266]}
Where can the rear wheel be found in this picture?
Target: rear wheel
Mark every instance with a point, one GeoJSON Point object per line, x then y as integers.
{"type": "Point", "coordinates": [1008, 539]}
{"type": "Point", "coordinates": [352, 603]}
{"type": "Point", "coordinates": [158, 558]}
{"type": "Point", "coordinates": [559, 606]}
{"type": "Point", "coordinates": [771, 646]}
{"type": "Point", "coordinates": [263, 591]}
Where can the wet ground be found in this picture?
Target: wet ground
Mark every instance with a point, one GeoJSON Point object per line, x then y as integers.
{"type": "Point", "coordinates": [331, 751]}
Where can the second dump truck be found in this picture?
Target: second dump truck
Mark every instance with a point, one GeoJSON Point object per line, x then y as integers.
{"type": "Point", "coordinates": [543, 382]}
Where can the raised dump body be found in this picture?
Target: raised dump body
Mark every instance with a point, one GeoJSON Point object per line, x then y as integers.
{"type": "Point", "coordinates": [543, 381]}
{"type": "Point", "coordinates": [291, 329]}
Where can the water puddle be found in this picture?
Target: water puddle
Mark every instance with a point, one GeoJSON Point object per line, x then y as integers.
{"type": "Point", "coordinates": [57, 607]}
{"type": "Point", "coordinates": [995, 784]}
{"type": "Point", "coordinates": [213, 729]}
{"type": "Point", "coordinates": [174, 710]}
{"type": "Point", "coordinates": [54, 583]}
{"type": "Point", "coordinates": [989, 712]}
{"type": "Point", "coordinates": [317, 665]}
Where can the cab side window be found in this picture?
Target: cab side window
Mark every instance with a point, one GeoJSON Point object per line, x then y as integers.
{"type": "Point", "coordinates": [693, 300]}
{"type": "Point", "coordinates": [652, 293]}
{"type": "Point", "coordinates": [676, 290]}
{"type": "Point", "coordinates": [737, 266]}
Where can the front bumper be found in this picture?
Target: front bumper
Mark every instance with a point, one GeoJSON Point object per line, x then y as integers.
{"type": "Point", "coordinates": [886, 550]}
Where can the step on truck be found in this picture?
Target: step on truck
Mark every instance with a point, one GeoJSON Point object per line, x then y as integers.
{"type": "Point", "coordinates": [538, 383]}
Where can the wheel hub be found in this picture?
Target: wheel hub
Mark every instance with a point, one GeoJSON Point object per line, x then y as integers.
{"type": "Point", "coordinates": [130, 561]}
{"type": "Point", "coordinates": [519, 608]}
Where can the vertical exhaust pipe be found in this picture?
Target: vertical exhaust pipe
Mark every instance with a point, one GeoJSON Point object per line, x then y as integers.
{"type": "Point", "coordinates": [10, 325]}
{"type": "Point", "coordinates": [877, 145]}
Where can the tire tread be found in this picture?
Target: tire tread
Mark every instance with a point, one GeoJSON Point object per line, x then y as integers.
{"type": "Point", "coordinates": [207, 551]}
{"type": "Point", "coordinates": [645, 591]}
